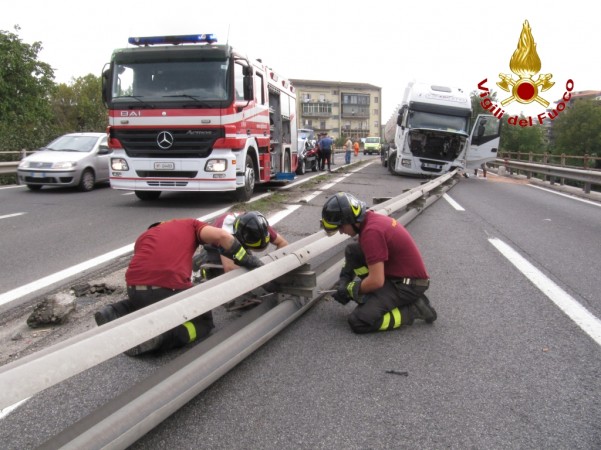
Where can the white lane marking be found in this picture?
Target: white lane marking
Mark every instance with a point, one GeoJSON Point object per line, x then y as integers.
{"type": "Point", "coordinates": [566, 195]}
{"type": "Point", "coordinates": [12, 186]}
{"type": "Point", "coordinates": [6, 411]}
{"type": "Point", "coordinates": [590, 324]}
{"type": "Point", "coordinates": [12, 215]}
{"type": "Point", "coordinates": [453, 203]}
{"type": "Point", "coordinates": [74, 270]}
{"type": "Point", "coordinates": [46, 281]}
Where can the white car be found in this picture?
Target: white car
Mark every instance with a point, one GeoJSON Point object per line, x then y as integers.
{"type": "Point", "coordinates": [75, 159]}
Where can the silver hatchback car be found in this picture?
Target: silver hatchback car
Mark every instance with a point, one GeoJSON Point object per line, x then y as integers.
{"type": "Point", "coordinates": [75, 159]}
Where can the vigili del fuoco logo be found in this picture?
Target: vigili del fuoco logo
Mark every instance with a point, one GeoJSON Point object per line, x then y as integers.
{"type": "Point", "coordinates": [525, 64]}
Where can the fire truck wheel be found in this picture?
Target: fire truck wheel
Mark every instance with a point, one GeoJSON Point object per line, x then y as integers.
{"type": "Point", "coordinates": [301, 169]}
{"type": "Point", "coordinates": [244, 193]}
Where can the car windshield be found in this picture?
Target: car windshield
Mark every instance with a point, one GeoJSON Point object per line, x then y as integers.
{"type": "Point", "coordinates": [73, 144]}
{"type": "Point", "coordinates": [372, 140]}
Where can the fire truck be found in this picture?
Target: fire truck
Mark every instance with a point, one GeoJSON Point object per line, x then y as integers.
{"type": "Point", "coordinates": [186, 114]}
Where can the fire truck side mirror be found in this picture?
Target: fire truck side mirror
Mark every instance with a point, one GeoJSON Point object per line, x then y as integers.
{"type": "Point", "coordinates": [106, 75]}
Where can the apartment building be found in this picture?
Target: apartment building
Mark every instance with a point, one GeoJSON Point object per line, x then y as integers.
{"type": "Point", "coordinates": [339, 108]}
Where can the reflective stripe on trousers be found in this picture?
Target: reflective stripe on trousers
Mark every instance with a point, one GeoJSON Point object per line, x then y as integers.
{"type": "Point", "coordinates": [391, 320]}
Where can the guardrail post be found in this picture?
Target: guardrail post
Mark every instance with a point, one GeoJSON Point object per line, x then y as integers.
{"type": "Point", "coordinates": [562, 162]}
{"type": "Point", "coordinates": [585, 161]}
{"type": "Point", "coordinates": [529, 173]}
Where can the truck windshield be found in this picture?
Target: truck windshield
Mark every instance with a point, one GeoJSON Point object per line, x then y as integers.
{"type": "Point", "coordinates": [420, 119]}
{"type": "Point", "coordinates": [191, 81]}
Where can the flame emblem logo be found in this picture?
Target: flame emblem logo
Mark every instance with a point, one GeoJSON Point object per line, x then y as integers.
{"type": "Point", "coordinates": [525, 63]}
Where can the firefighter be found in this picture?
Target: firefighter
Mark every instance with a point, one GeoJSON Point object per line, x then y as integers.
{"type": "Point", "coordinates": [383, 270]}
{"type": "Point", "coordinates": [252, 231]}
{"type": "Point", "coordinates": [161, 266]}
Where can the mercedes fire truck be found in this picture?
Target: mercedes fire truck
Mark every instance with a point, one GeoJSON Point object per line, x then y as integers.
{"type": "Point", "coordinates": [186, 114]}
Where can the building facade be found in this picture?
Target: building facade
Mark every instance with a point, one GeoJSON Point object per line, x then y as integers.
{"type": "Point", "coordinates": [339, 108]}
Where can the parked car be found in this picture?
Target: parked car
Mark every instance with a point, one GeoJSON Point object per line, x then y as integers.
{"type": "Point", "coordinates": [372, 145]}
{"type": "Point", "coordinates": [74, 159]}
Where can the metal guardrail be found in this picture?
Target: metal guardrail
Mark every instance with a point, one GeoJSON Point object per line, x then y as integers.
{"type": "Point", "coordinates": [556, 173]}
{"type": "Point", "coordinates": [8, 167]}
{"type": "Point", "coordinates": [50, 366]}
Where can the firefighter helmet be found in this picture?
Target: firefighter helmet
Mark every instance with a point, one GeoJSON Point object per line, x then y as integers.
{"type": "Point", "coordinates": [252, 230]}
{"type": "Point", "coordinates": [341, 209]}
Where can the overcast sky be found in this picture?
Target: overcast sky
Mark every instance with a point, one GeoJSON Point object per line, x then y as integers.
{"type": "Point", "coordinates": [457, 42]}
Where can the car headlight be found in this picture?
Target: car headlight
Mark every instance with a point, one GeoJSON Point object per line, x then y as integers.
{"type": "Point", "coordinates": [216, 165]}
{"type": "Point", "coordinates": [23, 165]}
{"type": "Point", "coordinates": [64, 165]}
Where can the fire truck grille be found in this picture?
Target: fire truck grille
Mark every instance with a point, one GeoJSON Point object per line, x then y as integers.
{"type": "Point", "coordinates": [167, 183]}
{"type": "Point", "coordinates": [168, 143]}
{"type": "Point", "coordinates": [167, 173]}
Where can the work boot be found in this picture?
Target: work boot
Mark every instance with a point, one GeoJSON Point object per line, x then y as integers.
{"type": "Point", "coordinates": [106, 315]}
{"type": "Point", "coordinates": [151, 344]}
{"type": "Point", "coordinates": [421, 309]}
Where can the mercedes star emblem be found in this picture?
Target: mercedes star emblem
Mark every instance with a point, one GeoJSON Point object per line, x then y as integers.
{"type": "Point", "coordinates": [165, 140]}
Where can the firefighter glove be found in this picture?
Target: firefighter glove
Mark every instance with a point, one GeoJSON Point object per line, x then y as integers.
{"type": "Point", "coordinates": [241, 257]}
{"type": "Point", "coordinates": [341, 296]}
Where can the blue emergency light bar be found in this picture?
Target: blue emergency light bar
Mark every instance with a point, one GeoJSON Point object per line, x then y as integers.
{"type": "Point", "coordinates": [175, 40]}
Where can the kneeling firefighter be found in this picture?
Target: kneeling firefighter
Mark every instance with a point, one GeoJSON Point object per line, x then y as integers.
{"type": "Point", "coordinates": [383, 270]}
{"type": "Point", "coordinates": [161, 266]}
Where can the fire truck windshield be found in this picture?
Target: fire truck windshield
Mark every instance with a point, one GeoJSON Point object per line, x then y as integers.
{"type": "Point", "coordinates": [181, 81]}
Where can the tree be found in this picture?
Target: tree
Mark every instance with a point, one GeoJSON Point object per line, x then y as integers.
{"type": "Point", "coordinates": [79, 106]}
{"type": "Point", "coordinates": [522, 139]}
{"type": "Point", "coordinates": [25, 88]}
{"type": "Point", "coordinates": [577, 129]}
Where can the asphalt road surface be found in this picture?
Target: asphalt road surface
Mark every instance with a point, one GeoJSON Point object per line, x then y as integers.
{"type": "Point", "coordinates": [503, 367]}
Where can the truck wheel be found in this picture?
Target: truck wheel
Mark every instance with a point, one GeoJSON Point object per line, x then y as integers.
{"type": "Point", "coordinates": [244, 193]}
{"type": "Point", "coordinates": [287, 163]}
{"type": "Point", "coordinates": [392, 162]}
{"type": "Point", "coordinates": [148, 195]}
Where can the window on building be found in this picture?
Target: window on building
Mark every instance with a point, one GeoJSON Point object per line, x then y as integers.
{"type": "Point", "coordinates": [317, 108]}
{"type": "Point", "coordinates": [306, 97]}
{"type": "Point", "coordinates": [322, 125]}
{"type": "Point", "coordinates": [375, 99]}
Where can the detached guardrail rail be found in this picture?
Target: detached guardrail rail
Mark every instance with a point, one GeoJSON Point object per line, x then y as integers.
{"type": "Point", "coordinates": [48, 367]}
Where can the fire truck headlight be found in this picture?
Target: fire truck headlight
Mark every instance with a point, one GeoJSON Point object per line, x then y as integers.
{"type": "Point", "coordinates": [119, 164]}
{"type": "Point", "coordinates": [406, 163]}
{"type": "Point", "coordinates": [216, 165]}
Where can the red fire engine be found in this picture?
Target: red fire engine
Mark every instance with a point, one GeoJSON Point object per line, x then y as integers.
{"type": "Point", "coordinates": [186, 114]}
